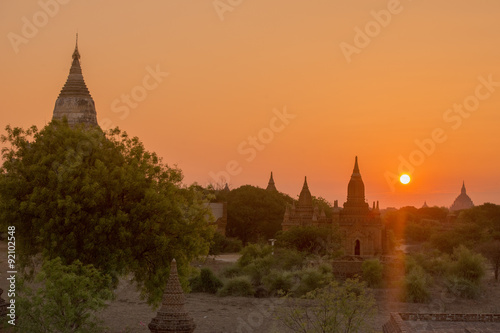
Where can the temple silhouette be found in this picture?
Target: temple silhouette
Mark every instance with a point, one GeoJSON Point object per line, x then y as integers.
{"type": "Point", "coordinates": [361, 229]}
{"type": "Point", "coordinates": [463, 201]}
{"type": "Point", "coordinates": [75, 102]}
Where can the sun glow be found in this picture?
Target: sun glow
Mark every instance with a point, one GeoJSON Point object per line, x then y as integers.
{"type": "Point", "coordinates": [404, 179]}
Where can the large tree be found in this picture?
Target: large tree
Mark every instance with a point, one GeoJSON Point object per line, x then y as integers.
{"type": "Point", "coordinates": [254, 214]}
{"type": "Point", "coordinates": [102, 199]}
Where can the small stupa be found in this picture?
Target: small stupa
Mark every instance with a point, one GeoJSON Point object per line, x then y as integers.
{"type": "Point", "coordinates": [172, 317]}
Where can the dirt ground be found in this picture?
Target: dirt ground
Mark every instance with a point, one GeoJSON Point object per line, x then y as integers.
{"type": "Point", "coordinates": [212, 314]}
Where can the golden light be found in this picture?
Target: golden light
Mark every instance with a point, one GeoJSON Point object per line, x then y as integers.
{"type": "Point", "coordinates": [404, 179]}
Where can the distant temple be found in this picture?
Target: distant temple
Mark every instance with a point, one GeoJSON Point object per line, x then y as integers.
{"type": "Point", "coordinates": [361, 229]}
{"type": "Point", "coordinates": [270, 185]}
{"type": "Point", "coordinates": [463, 201]}
{"type": "Point", "coordinates": [74, 101]}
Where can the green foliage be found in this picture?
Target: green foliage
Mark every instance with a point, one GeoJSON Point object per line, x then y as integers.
{"type": "Point", "coordinates": [491, 250]}
{"type": "Point", "coordinates": [278, 282]}
{"type": "Point", "coordinates": [469, 266]}
{"type": "Point", "coordinates": [259, 268]}
{"type": "Point", "coordinates": [254, 214]}
{"type": "Point", "coordinates": [415, 225]}
{"type": "Point", "coordinates": [67, 300]}
{"type": "Point", "coordinates": [445, 241]}
{"type": "Point", "coordinates": [345, 308]}
{"type": "Point", "coordinates": [310, 279]}
{"type": "Point", "coordinates": [237, 286]}
{"type": "Point", "coordinates": [484, 222]}
{"type": "Point", "coordinates": [462, 287]}
{"type": "Point", "coordinates": [280, 273]}
{"type": "Point", "coordinates": [309, 239]}
{"type": "Point", "coordinates": [323, 205]}
{"type": "Point", "coordinates": [206, 282]}
{"type": "Point", "coordinates": [421, 231]}
{"type": "Point", "coordinates": [474, 227]}
{"type": "Point", "coordinates": [416, 285]}
{"type": "Point", "coordinates": [435, 263]}
{"type": "Point", "coordinates": [231, 271]}
{"type": "Point", "coordinates": [252, 252]}
{"type": "Point", "coordinates": [221, 244]}
{"type": "Point", "coordinates": [288, 259]}
{"type": "Point", "coordinates": [80, 194]}
{"type": "Point", "coordinates": [372, 272]}
{"type": "Point", "coordinates": [433, 213]}
{"type": "Point", "coordinates": [461, 273]}
{"type": "Point", "coordinates": [326, 268]}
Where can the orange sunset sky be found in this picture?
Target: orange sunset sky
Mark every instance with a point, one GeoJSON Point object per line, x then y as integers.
{"type": "Point", "coordinates": [365, 78]}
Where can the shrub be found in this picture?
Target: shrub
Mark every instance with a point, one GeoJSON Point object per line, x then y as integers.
{"type": "Point", "coordinates": [438, 265]}
{"type": "Point", "coordinates": [434, 262]}
{"type": "Point", "coordinates": [326, 268]}
{"type": "Point", "coordinates": [67, 301]}
{"type": "Point", "coordinates": [336, 308]}
{"type": "Point", "coordinates": [278, 282]}
{"type": "Point", "coordinates": [232, 245]}
{"type": "Point", "coordinates": [206, 282]}
{"type": "Point", "coordinates": [232, 271]}
{"type": "Point", "coordinates": [459, 286]}
{"type": "Point", "coordinates": [288, 259]}
{"type": "Point", "coordinates": [416, 286]}
{"type": "Point", "coordinates": [252, 252]}
{"type": "Point", "coordinates": [372, 272]}
{"type": "Point", "coordinates": [468, 265]}
{"type": "Point", "coordinates": [238, 286]}
{"type": "Point", "coordinates": [310, 279]}
{"type": "Point", "coordinates": [259, 268]}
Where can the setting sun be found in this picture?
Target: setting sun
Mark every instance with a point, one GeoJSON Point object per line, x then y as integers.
{"type": "Point", "coordinates": [404, 179]}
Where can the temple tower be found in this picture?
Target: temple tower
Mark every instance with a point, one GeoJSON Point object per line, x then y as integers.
{"type": "Point", "coordinates": [356, 204]}
{"type": "Point", "coordinates": [305, 203]}
{"type": "Point", "coordinates": [463, 201]}
{"type": "Point", "coordinates": [361, 229]}
{"type": "Point", "coordinates": [74, 101]}
{"type": "Point", "coordinates": [270, 185]}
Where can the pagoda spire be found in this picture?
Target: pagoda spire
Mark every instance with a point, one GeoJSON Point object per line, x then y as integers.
{"type": "Point", "coordinates": [356, 167]}
{"type": "Point", "coordinates": [75, 102]}
{"type": "Point", "coordinates": [271, 186]}
{"type": "Point", "coordinates": [356, 187]}
{"type": "Point", "coordinates": [305, 197]}
{"type": "Point", "coordinates": [356, 192]}
{"type": "Point", "coordinates": [75, 66]}
{"type": "Point", "coordinates": [463, 191]}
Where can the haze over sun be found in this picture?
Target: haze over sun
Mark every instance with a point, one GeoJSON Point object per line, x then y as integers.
{"type": "Point", "coordinates": [297, 89]}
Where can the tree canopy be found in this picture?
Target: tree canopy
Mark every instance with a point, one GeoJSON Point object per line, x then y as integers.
{"type": "Point", "coordinates": [415, 224]}
{"type": "Point", "coordinates": [100, 198]}
{"type": "Point", "coordinates": [310, 239]}
{"type": "Point", "coordinates": [476, 228]}
{"type": "Point", "coordinates": [254, 214]}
